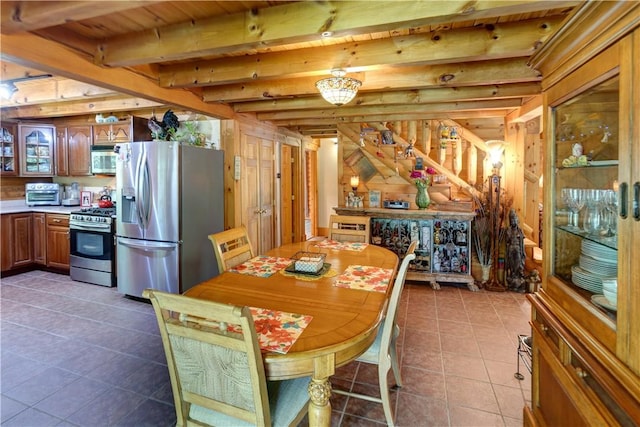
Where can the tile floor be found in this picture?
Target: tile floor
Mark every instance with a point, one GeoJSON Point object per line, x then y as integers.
{"type": "Point", "coordinates": [74, 354]}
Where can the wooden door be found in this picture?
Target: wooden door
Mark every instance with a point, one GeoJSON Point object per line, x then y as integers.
{"type": "Point", "coordinates": [257, 191]}
{"type": "Point", "coordinates": [286, 195]}
{"type": "Point", "coordinates": [311, 206]}
{"type": "Point", "coordinates": [79, 140]}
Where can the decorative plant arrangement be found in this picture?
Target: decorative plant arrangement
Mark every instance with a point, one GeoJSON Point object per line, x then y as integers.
{"type": "Point", "coordinates": [422, 182]}
{"type": "Point", "coordinates": [170, 129]}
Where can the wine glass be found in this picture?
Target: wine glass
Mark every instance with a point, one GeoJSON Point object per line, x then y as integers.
{"type": "Point", "coordinates": [575, 202]}
{"type": "Point", "coordinates": [610, 205]}
{"type": "Point", "coordinates": [592, 219]}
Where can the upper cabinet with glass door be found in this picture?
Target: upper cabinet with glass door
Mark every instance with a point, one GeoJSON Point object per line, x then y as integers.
{"type": "Point", "coordinates": [36, 150]}
{"type": "Point", "coordinates": [585, 193]}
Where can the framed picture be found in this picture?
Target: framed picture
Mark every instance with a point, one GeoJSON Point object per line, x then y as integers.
{"type": "Point", "coordinates": [374, 199]}
{"type": "Point", "coordinates": [85, 199]}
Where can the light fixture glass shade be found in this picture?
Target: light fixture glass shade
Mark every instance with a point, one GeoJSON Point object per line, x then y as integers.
{"type": "Point", "coordinates": [338, 90]}
{"type": "Point", "coordinates": [355, 181]}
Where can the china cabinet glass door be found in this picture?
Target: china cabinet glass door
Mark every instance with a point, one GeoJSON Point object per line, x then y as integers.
{"type": "Point", "coordinates": [585, 232]}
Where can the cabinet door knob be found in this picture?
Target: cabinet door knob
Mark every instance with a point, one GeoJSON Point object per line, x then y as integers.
{"type": "Point", "coordinates": [581, 373]}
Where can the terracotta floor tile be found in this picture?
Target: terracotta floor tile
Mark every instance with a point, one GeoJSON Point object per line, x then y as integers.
{"type": "Point", "coordinates": [457, 351]}
{"type": "Point", "coordinates": [462, 416]}
{"type": "Point", "coordinates": [464, 366]}
{"type": "Point", "coordinates": [460, 345]}
{"type": "Point", "coordinates": [421, 411]}
{"type": "Point", "coordinates": [471, 394]}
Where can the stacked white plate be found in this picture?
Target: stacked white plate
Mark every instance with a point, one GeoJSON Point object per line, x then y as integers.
{"type": "Point", "coordinates": [600, 252]}
{"type": "Point", "coordinates": [597, 262]}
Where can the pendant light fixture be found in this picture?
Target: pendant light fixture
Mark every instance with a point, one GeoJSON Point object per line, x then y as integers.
{"type": "Point", "coordinates": [338, 90]}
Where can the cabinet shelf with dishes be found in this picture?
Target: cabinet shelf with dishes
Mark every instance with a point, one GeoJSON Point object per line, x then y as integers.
{"type": "Point", "coordinates": [586, 316]}
{"type": "Point", "coordinates": [8, 152]}
{"type": "Point", "coordinates": [36, 150]}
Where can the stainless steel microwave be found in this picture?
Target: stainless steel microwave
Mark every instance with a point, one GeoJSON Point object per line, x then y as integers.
{"type": "Point", "coordinates": [103, 160]}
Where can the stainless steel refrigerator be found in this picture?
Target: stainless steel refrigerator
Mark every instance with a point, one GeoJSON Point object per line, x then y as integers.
{"type": "Point", "coordinates": [170, 197]}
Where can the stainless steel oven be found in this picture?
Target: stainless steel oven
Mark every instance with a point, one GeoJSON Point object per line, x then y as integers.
{"type": "Point", "coordinates": [92, 245]}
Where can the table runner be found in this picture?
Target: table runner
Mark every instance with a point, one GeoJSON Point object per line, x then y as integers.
{"type": "Point", "coordinates": [342, 246]}
{"type": "Point", "coordinates": [261, 266]}
{"type": "Point", "coordinates": [365, 277]}
{"type": "Point", "coordinates": [277, 330]}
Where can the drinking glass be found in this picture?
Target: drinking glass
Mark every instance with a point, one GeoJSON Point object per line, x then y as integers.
{"type": "Point", "coordinates": [575, 202]}
{"type": "Point", "coordinates": [593, 216]}
{"type": "Point", "coordinates": [610, 212]}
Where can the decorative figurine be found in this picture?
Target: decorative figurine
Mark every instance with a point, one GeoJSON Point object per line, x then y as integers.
{"type": "Point", "coordinates": [514, 265]}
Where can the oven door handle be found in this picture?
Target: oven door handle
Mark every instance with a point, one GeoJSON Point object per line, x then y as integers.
{"type": "Point", "coordinates": [97, 227]}
{"type": "Point", "coordinates": [149, 247]}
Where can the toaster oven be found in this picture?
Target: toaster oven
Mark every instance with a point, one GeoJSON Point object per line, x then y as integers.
{"type": "Point", "coordinates": [43, 194]}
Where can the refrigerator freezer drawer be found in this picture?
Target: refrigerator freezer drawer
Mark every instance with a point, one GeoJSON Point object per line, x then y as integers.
{"type": "Point", "coordinates": [145, 264]}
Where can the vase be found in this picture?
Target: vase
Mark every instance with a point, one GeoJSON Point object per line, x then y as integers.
{"type": "Point", "coordinates": [422, 197]}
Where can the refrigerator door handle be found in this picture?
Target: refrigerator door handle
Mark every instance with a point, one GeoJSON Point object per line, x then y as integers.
{"type": "Point", "coordinates": [142, 190]}
{"type": "Point", "coordinates": [148, 247]}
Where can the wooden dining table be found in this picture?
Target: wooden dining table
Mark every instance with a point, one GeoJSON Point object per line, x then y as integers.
{"type": "Point", "coordinates": [344, 321]}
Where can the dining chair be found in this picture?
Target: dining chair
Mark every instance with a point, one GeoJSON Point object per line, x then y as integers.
{"type": "Point", "coordinates": [216, 368]}
{"type": "Point", "coordinates": [232, 247]}
{"type": "Point", "coordinates": [347, 228]}
{"type": "Point", "coordinates": [383, 350]}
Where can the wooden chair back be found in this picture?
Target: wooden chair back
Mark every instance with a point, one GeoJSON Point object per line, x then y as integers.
{"type": "Point", "coordinates": [346, 228]}
{"type": "Point", "coordinates": [211, 367]}
{"type": "Point", "coordinates": [232, 247]}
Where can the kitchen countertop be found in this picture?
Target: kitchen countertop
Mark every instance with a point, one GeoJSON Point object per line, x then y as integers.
{"type": "Point", "coordinates": [19, 206]}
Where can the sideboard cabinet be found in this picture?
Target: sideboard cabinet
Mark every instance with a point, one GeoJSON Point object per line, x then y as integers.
{"type": "Point", "coordinates": [443, 253]}
{"type": "Point", "coordinates": [586, 316]}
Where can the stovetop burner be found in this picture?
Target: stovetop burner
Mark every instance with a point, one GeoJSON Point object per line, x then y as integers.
{"type": "Point", "coordinates": [96, 211]}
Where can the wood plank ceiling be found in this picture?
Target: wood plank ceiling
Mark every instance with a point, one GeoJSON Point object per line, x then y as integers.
{"type": "Point", "coordinates": [417, 60]}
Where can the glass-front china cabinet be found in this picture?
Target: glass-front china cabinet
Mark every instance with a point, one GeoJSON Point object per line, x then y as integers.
{"type": "Point", "coordinates": [586, 317]}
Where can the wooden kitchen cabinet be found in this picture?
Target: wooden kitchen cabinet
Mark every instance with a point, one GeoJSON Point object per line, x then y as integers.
{"type": "Point", "coordinates": [586, 351]}
{"type": "Point", "coordinates": [9, 156]}
{"type": "Point", "coordinates": [127, 130]}
{"type": "Point", "coordinates": [58, 244]}
{"type": "Point", "coordinates": [73, 150]}
{"type": "Point", "coordinates": [36, 143]}
{"type": "Point", "coordinates": [39, 238]}
{"type": "Point", "coordinates": [17, 241]}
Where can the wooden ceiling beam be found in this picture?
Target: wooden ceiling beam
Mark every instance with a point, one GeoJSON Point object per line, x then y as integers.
{"type": "Point", "coordinates": [55, 90]}
{"type": "Point", "coordinates": [77, 108]}
{"type": "Point", "coordinates": [498, 41]}
{"type": "Point", "coordinates": [50, 57]}
{"type": "Point", "coordinates": [295, 23]}
{"type": "Point", "coordinates": [442, 108]}
{"type": "Point", "coordinates": [418, 96]}
{"type": "Point", "coordinates": [500, 71]}
{"type": "Point", "coordinates": [30, 15]}
{"type": "Point", "coordinates": [455, 115]}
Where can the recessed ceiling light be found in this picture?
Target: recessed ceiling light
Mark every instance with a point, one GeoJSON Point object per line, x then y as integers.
{"type": "Point", "coordinates": [326, 34]}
